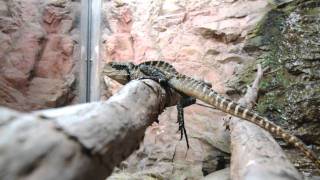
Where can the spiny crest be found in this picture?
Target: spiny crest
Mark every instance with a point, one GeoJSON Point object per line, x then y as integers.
{"type": "Point", "coordinates": [162, 65]}
{"type": "Point", "coordinates": [121, 65]}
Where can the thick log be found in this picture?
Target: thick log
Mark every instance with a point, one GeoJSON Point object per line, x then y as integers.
{"type": "Point", "coordinates": [81, 141]}
{"type": "Point", "coordinates": [255, 154]}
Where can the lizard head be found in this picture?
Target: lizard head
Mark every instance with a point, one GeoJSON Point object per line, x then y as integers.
{"type": "Point", "coordinates": [118, 71]}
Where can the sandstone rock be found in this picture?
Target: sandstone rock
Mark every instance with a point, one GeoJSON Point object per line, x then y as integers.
{"type": "Point", "coordinates": [232, 57]}
{"type": "Point", "coordinates": [190, 53]}
{"type": "Point", "coordinates": [16, 77]}
{"type": "Point", "coordinates": [171, 7]}
{"type": "Point", "coordinates": [162, 23]}
{"type": "Point", "coordinates": [228, 23]}
{"type": "Point", "coordinates": [119, 46]}
{"type": "Point", "coordinates": [28, 49]}
{"type": "Point", "coordinates": [175, 31]}
{"type": "Point", "coordinates": [239, 9]}
{"type": "Point", "coordinates": [67, 45]}
{"type": "Point", "coordinates": [226, 30]}
{"type": "Point", "coordinates": [58, 3]}
{"type": "Point", "coordinates": [48, 92]}
{"type": "Point", "coordinates": [8, 25]}
{"type": "Point", "coordinates": [57, 19]}
{"type": "Point", "coordinates": [5, 43]}
{"type": "Point", "coordinates": [120, 17]}
{"type": "Point", "coordinates": [223, 174]}
{"type": "Point", "coordinates": [279, 2]}
{"type": "Point", "coordinates": [3, 9]}
{"type": "Point", "coordinates": [11, 97]}
{"type": "Point", "coordinates": [21, 50]}
{"type": "Point", "coordinates": [66, 26]}
{"type": "Point", "coordinates": [56, 61]}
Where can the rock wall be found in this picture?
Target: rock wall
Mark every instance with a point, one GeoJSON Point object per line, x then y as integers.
{"type": "Point", "coordinates": [287, 41]}
{"type": "Point", "coordinates": [216, 41]}
{"type": "Point", "coordinates": [203, 39]}
{"type": "Point", "coordinates": [39, 51]}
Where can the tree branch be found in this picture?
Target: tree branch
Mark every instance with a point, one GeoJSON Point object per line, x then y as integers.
{"type": "Point", "coordinates": [78, 142]}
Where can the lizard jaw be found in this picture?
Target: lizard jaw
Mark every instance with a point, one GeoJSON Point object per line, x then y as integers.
{"type": "Point", "coordinates": [121, 76]}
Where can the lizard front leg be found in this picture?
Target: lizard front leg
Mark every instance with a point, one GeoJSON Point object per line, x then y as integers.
{"type": "Point", "coordinates": [157, 75]}
{"type": "Point", "coordinates": [184, 102]}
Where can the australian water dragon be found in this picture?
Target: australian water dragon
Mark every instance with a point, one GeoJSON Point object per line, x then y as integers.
{"type": "Point", "coordinates": [190, 89]}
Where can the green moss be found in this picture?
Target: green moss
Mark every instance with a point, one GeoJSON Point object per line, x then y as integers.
{"type": "Point", "coordinates": [277, 3]}
{"type": "Point", "coordinates": [313, 12]}
{"type": "Point", "coordinates": [266, 31]}
{"type": "Point", "coordinates": [287, 38]}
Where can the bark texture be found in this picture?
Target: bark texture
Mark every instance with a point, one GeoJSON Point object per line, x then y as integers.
{"type": "Point", "coordinates": [255, 154]}
{"type": "Point", "coordinates": [78, 142]}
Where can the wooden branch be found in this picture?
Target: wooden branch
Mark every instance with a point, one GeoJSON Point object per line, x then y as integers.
{"type": "Point", "coordinates": [255, 154]}
{"type": "Point", "coordinates": [78, 142]}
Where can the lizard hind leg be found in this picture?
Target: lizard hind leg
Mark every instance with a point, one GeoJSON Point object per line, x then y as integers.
{"type": "Point", "coordinates": [184, 102]}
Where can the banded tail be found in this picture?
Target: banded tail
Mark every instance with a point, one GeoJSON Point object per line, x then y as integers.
{"type": "Point", "coordinates": [202, 92]}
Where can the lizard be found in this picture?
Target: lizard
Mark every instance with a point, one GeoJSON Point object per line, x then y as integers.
{"type": "Point", "coordinates": [191, 89]}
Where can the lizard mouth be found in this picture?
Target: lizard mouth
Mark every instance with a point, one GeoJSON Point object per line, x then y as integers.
{"type": "Point", "coordinates": [121, 76]}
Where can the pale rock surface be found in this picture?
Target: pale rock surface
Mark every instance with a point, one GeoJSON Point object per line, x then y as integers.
{"type": "Point", "coordinates": [56, 61]}
{"type": "Point", "coordinates": [48, 92]}
{"type": "Point", "coordinates": [223, 174]}
{"type": "Point", "coordinates": [10, 96]}
{"type": "Point", "coordinates": [3, 9]}
{"type": "Point", "coordinates": [202, 39]}
{"type": "Point", "coordinates": [37, 54]}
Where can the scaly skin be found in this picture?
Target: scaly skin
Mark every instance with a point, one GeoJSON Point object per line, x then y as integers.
{"type": "Point", "coordinates": [203, 92]}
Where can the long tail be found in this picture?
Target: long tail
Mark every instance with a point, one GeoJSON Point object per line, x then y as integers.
{"type": "Point", "coordinates": [235, 109]}
{"type": "Point", "coordinates": [204, 93]}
